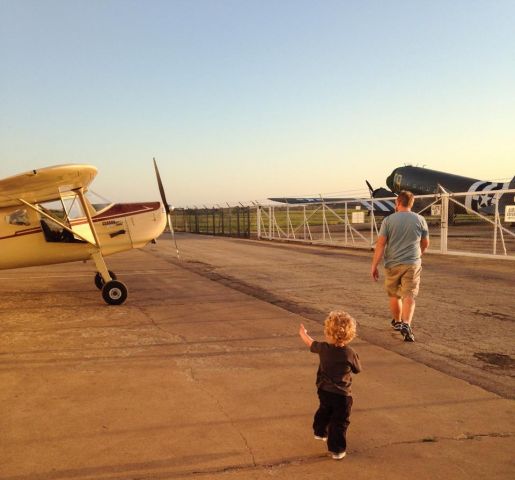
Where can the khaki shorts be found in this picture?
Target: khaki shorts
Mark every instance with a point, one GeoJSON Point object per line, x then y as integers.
{"type": "Point", "coordinates": [402, 280]}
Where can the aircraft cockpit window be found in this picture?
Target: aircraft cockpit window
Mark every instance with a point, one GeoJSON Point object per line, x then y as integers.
{"type": "Point", "coordinates": [72, 207]}
{"type": "Point", "coordinates": [55, 209]}
{"type": "Point", "coordinates": [52, 230]}
{"type": "Point", "coordinates": [18, 217]}
{"type": "Point", "coordinates": [97, 201]}
{"type": "Point", "coordinates": [397, 179]}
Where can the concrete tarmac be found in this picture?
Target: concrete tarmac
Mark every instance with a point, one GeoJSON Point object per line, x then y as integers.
{"type": "Point", "coordinates": [193, 379]}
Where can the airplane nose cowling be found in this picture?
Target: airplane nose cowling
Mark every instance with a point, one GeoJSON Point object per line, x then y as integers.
{"type": "Point", "coordinates": [147, 224]}
{"type": "Point", "coordinates": [389, 180]}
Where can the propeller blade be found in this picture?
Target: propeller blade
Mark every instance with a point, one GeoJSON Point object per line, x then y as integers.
{"type": "Point", "coordinates": [161, 189]}
{"type": "Point", "coordinates": [167, 207]}
{"type": "Point", "coordinates": [370, 188]}
{"type": "Point", "coordinates": [172, 231]}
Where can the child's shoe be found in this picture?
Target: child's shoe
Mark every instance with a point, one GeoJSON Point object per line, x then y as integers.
{"type": "Point", "coordinates": [324, 439]}
{"type": "Point", "coordinates": [338, 456]}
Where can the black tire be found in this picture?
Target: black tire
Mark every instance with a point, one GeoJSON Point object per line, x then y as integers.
{"type": "Point", "coordinates": [114, 292]}
{"type": "Point", "coordinates": [99, 281]}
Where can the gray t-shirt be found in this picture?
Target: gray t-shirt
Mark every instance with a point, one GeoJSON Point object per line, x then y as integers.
{"type": "Point", "coordinates": [403, 231]}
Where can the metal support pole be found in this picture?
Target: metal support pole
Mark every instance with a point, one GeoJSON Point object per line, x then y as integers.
{"type": "Point", "coordinates": [497, 198]}
{"type": "Point", "coordinates": [248, 222]}
{"type": "Point", "coordinates": [258, 221]}
{"type": "Point", "coordinates": [287, 221]}
{"type": "Point", "coordinates": [372, 223]}
{"type": "Point", "coordinates": [444, 226]}
{"type": "Point", "coordinates": [270, 223]}
{"type": "Point", "coordinates": [346, 222]}
{"type": "Point", "coordinates": [496, 219]}
{"type": "Point", "coordinates": [323, 222]}
{"type": "Point", "coordinates": [305, 221]}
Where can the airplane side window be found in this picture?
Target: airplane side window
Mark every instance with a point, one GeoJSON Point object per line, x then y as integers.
{"type": "Point", "coordinates": [397, 180]}
{"type": "Point", "coordinates": [18, 217]}
{"type": "Point", "coordinates": [53, 231]}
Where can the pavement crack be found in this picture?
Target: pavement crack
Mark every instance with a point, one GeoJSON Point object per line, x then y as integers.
{"type": "Point", "coordinates": [434, 439]}
{"type": "Point", "coordinates": [158, 327]}
{"type": "Point", "coordinates": [224, 413]}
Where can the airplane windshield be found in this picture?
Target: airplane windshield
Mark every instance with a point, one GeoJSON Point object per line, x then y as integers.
{"type": "Point", "coordinates": [98, 202]}
{"type": "Point", "coordinates": [55, 209]}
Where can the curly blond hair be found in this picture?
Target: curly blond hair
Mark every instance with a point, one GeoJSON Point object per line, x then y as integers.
{"type": "Point", "coordinates": [340, 326]}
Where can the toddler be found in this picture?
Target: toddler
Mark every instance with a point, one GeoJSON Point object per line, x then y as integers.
{"type": "Point", "coordinates": [337, 362]}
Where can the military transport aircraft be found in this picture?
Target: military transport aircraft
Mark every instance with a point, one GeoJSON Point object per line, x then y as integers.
{"type": "Point", "coordinates": [47, 217]}
{"type": "Point", "coordinates": [423, 181]}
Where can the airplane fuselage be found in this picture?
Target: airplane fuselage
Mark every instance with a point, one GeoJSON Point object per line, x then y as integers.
{"type": "Point", "coordinates": [423, 181]}
{"type": "Point", "coordinates": [119, 227]}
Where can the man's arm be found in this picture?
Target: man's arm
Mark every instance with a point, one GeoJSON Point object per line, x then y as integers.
{"type": "Point", "coordinates": [424, 243]}
{"type": "Point", "coordinates": [304, 336]}
{"type": "Point", "coordinates": [378, 254]}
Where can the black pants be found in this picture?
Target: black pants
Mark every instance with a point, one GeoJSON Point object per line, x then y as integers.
{"type": "Point", "coordinates": [332, 419]}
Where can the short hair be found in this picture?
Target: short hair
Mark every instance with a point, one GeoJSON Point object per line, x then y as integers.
{"type": "Point", "coordinates": [406, 198]}
{"type": "Point", "coordinates": [340, 327]}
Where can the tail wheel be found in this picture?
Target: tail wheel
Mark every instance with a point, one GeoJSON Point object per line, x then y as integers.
{"type": "Point", "coordinates": [114, 292]}
{"type": "Point", "coordinates": [99, 281]}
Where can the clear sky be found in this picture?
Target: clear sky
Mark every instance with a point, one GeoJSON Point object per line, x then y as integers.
{"type": "Point", "coordinates": [243, 99]}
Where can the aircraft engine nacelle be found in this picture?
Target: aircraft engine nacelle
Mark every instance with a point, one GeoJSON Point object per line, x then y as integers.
{"type": "Point", "coordinates": [146, 224]}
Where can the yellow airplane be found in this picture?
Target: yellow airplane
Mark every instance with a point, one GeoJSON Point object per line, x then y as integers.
{"type": "Point", "coordinates": [48, 217]}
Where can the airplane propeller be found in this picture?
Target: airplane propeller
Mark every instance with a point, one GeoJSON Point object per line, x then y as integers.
{"type": "Point", "coordinates": [379, 192]}
{"type": "Point", "coordinates": [370, 188]}
{"type": "Point", "coordinates": [167, 207]}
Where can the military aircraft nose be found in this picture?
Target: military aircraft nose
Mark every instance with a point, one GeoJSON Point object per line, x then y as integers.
{"type": "Point", "coordinates": [389, 180]}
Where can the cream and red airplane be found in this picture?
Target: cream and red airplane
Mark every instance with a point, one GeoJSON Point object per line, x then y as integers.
{"type": "Point", "coordinates": [47, 217]}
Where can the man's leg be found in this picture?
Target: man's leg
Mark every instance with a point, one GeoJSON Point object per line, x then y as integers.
{"type": "Point", "coordinates": [392, 284]}
{"type": "Point", "coordinates": [408, 309]}
{"type": "Point", "coordinates": [396, 308]}
{"type": "Point", "coordinates": [410, 282]}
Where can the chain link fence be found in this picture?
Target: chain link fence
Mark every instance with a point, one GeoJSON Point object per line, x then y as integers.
{"type": "Point", "coordinates": [229, 222]}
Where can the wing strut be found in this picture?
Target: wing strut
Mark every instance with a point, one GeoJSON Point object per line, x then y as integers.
{"type": "Point", "coordinates": [97, 257]}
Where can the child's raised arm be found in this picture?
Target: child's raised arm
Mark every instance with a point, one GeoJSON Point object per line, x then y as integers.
{"type": "Point", "coordinates": [304, 336]}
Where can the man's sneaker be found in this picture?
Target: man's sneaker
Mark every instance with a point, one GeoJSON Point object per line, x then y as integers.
{"type": "Point", "coordinates": [407, 333]}
{"type": "Point", "coordinates": [396, 325]}
{"type": "Point", "coordinates": [338, 456]}
{"type": "Point", "coordinates": [324, 439]}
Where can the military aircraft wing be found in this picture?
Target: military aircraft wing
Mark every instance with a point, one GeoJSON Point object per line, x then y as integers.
{"type": "Point", "coordinates": [380, 206]}
{"type": "Point", "coordinates": [45, 184]}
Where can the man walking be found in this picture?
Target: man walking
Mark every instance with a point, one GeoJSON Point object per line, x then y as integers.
{"type": "Point", "coordinates": [403, 238]}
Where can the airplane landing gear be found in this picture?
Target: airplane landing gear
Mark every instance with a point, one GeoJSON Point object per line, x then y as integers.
{"type": "Point", "coordinates": [114, 292]}
{"type": "Point", "coordinates": [99, 281]}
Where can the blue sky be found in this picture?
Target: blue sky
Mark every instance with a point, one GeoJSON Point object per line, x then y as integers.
{"type": "Point", "coordinates": [240, 100]}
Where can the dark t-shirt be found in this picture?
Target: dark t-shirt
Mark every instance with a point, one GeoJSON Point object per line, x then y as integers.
{"type": "Point", "coordinates": [336, 365]}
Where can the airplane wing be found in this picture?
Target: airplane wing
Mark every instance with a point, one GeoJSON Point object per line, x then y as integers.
{"type": "Point", "coordinates": [304, 200]}
{"type": "Point", "coordinates": [381, 206]}
{"type": "Point", "coordinates": [45, 184]}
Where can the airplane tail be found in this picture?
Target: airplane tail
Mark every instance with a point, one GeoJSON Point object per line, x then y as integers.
{"type": "Point", "coordinates": [507, 198]}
